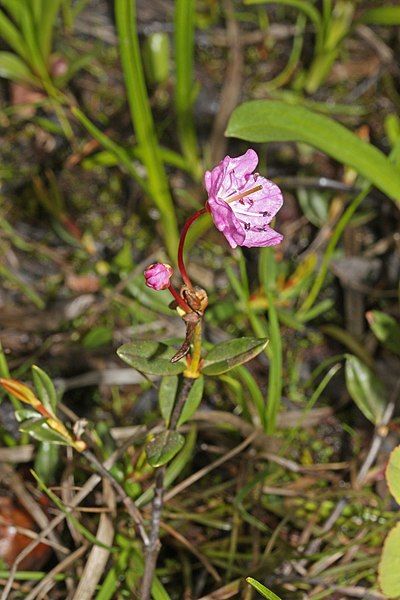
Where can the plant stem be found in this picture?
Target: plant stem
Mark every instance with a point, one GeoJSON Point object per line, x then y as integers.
{"type": "Point", "coordinates": [182, 239]}
{"type": "Point", "coordinates": [153, 546]}
{"type": "Point", "coordinates": [193, 370]}
{"type": "Point", "coordinates": [179, 299]}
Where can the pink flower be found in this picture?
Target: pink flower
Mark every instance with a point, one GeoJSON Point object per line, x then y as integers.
{"type": "Point", "coordinates": [241, 203]}
{"type": "Point", "coordinates": [157, 276]}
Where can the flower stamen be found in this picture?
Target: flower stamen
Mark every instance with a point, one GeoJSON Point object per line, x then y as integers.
{"type": "Point", "coordinates": [241, 195]}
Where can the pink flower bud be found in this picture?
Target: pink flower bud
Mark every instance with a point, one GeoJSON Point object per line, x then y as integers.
{"type": "Point", "coordinates": [157, 276]}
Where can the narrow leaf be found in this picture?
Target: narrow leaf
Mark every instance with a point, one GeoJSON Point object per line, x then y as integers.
{"type": "Point", "coordinates": [265, 592]}
{"type": "Point", "coordinates": [382, 15]}
{"type": "Point", "coordinates": [365, 389]}
{"type": "Point", "coordinates": [39, 430]}
{"type": "Point", "coordinates": [14, 68]}
{"type": "Point", "coordinates": [193, 401]}
{"type": "Point", "coordinates": [274, 121]}
{"type": "Point", "coordinates": [393, 474]}
{"type": "Point", "coordinates": [45, 389]}
{"type": "Point", "coordinates": [166, 396]}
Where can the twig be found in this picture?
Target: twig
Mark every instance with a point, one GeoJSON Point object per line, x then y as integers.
{"type": "Point", "coordinates": [80, 496]}
{"type": "Point", "coordinates": [47, 582]}
{"type": "Point", "coordinates": [98, 557]}
{"type": "Point", "coordinates": [127, 501]}
{"type": "Point", "coordinates": [153, 546]}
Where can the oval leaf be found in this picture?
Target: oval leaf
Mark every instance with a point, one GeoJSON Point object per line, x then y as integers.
{"type": "Point", "coordinates": [152, 358]}
{"type": "Point", "coordinates": [393, 474]}
{"type": "Point", "coordinates": [193, 401]}
{"type": "Point", "coordinates": [389, 566]}
{"type": "Point", "coordinates": [265, 592]}
{"type": "Point", "coordinates": [227, 355]}
{"type": "Point", "coordinates": [273, 121]}
{"type": "Point", "coordinates": [365, 389]}
{"type": "Point", "coordinates": [163, 447]}
{"type": "Point", "coordinates": [166, 396]}
{"type": "Point", "coordinates": [386, 329]}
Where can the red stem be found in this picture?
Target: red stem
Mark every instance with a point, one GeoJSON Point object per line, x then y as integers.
{"type": "Point", "coordinates": [179, 299]}
{"type": "Point", "coordinates": [184, 231]}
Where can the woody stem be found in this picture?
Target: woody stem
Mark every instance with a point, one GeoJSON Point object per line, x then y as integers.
{"type": "Point", "coordinates": [184, 231]}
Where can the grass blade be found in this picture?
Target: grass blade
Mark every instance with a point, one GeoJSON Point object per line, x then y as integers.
{"type": "Point", "coordinates": [50, 11]}
{"type": "Point", "coordinates": [12, 36]}
{"type": "Point", "coordinates": [184, 57]}
{"type": "Point", "coordinates": [142, 119]}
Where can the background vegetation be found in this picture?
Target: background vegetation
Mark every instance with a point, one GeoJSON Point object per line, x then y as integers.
{"type": "Point", "coordinates": [110, 112]}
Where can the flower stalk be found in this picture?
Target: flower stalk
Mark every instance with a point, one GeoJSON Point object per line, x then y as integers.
{"type": "Point", "coordinates": [182, 239]}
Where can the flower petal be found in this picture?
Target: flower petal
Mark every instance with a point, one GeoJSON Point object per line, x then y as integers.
{"type": "Point", "coordinates": [243, 165]}
{"type": "Point", "coordinates": [230, 174]}
{"type": "Point", "coordinates": [262, 204]}
{"type": "Point", "coordinates": [225, 220]}
{"type": "Point", "coordinates": [259, 239]}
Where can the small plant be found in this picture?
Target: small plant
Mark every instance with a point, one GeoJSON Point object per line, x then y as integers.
{"type": "Point", "coordinates": [242, 205]}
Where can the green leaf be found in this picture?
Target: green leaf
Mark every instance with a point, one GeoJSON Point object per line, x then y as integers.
{"type": "Point", "coordinates": [304, 6]}
{"type": "Point", "coordinates": [174, 469]}
{"type": "Point", "coordinates": [142, 119]}
{"type": "Point", "coordinates": [46, 461]}
{"type": "Point", "coordinates": [157, 52]}
{"type": "Point", "coordinates": [166, 396]}
{"type": "Point", "coordinates": [193, 401]}
{"type": "Point", "coordinates": [163, 447]}
{"type": "Point", "coordinates": [382, 15]}
{"type": "Point", "coordinates": [45, 389]}
{"type": "Point", "coordinates": [265, 592]}
{"type": "Point", "coordinates": [389, 566]}
{"type": "Point", "coordinates": [40, 431]}
{"type": "Point", "coordinates": [99, 336]}
{"type": "Point", "coordinates": [274, 121]}
{"type": "Point", "coordinates": [226, 355]}
{"type": "Point", "coordinates": [26, 413]}
{"type": "Point", "coordinates": [47, 26]}
{"type": "Point", "coordinates": [10, 34]}
{"type": "Point", "coordinates": [13, 68]}
{"type": "Point", "coordinates": [386, 329]}
{"type": "Point", "coordinates": [152, 358]}
{"type": "Point", "coordinates": [365, 389]}
{"type": "Point", "coordinates": [393, 474]}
